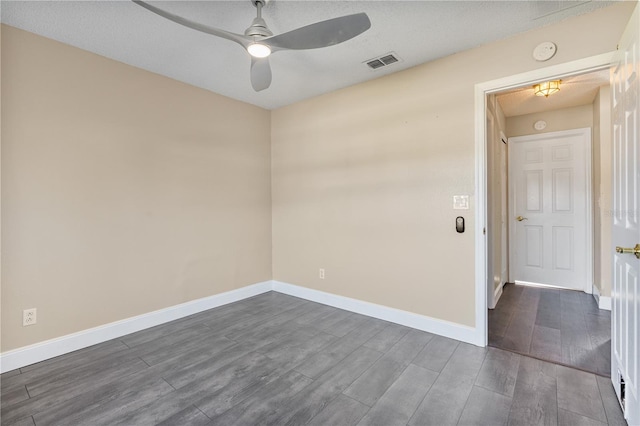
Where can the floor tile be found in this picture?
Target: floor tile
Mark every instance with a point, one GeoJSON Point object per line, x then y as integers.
{"type": "Point", "coordinates": [610, 401]}
{"type": "Point", "coordinates": [402, 398]}
{"type": "Point", "coordinates": [436, 353]}
{"type": "Point", "coordinates": [534, 399]}
{"type": "Point", "coordinates": [567, 418]}
{"type": "Point", "coordinates": [499, 372]}
{"type": "Point", "coordinates": [578, 392]}
{"type": "Point", "coordinates": [485, 408]}
{"type": "Point", "coordinates": [342, 411]}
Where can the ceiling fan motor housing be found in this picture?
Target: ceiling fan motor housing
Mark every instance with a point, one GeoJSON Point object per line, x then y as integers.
{"type": "Point", "coordinates": [258, 27]}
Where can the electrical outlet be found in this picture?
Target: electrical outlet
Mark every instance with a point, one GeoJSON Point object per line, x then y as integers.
{"type": "Point", "coordinates": [29, 317]}
{"type": "Point", "coordinates": [321, 273]}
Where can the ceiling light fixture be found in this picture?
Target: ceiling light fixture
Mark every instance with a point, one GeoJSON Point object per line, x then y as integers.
{"type": "Point", "coordinates": [547, 88]}
{"type": "Point", "coordinates": [258, 50]}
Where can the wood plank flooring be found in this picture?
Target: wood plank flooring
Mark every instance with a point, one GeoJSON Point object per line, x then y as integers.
{"type": "Point", "coordinates": [560, 326]}
{"type": "Point", "coordinates": [279, 360]}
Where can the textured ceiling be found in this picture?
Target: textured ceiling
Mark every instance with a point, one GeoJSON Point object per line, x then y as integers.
{"type": "Point", "coordinates": [574, 91]}
{"type": "Point", "coordinates": [418, 31]}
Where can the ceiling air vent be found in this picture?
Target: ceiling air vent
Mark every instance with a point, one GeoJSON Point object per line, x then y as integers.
{"type": "Point", "coordinates": [382, 61]}
{"type": "Point", "coordinates": [375, 64]}
{"type": "Point", "coordinates": [389, 59]}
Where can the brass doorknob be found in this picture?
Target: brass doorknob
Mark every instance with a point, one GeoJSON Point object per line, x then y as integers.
{"type": "Point", "coordinates": [635, 250]}
{"type": "Point", "coordinates": [520, 218]}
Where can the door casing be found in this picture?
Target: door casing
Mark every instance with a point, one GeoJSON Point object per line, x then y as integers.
{"type": "Point", "coordinates": [585, 65]}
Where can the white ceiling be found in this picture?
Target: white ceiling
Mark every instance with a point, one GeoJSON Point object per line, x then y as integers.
{"type": "Point", "coordinates": [418, 31]}
{"type": "Point", "coordinates": [574, 91]}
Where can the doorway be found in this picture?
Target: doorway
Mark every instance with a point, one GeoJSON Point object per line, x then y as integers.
{"type": "Point", "coordinates": [625, 62]}
{"type": "Point", "coordinates": [549, 225]}
{"type": "Point", "coordinates": [485, 269]}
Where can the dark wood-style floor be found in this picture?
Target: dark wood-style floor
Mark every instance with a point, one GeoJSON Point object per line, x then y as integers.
{"type": "Point", "coordinates": [561, 326]}
{"type": "Point", "coordinates": [278, 360]}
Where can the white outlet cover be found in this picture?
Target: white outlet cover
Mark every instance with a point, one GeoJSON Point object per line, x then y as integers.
{"type": "Point", "coordinates": [461, 202]}
{"type": "Point", "coordinates": [29, 317]}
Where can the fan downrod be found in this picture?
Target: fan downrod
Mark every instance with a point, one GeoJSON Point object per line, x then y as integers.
{"type": "Point", "coordinates": [258, 27]}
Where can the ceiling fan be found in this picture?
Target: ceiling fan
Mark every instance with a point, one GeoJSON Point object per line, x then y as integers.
{"type": "Point", "coordinates": [260, 42]}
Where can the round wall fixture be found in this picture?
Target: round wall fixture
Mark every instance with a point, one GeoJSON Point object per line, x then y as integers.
{"type": "Point", "coordinates": [544, 51]}
{"type": "Point", "coordinates": [540, 125]}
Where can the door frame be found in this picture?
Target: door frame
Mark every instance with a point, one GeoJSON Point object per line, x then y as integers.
{"type": "Point", "coordinates": [492, 297]}
{"type": "Point", "coordinates": [588, 231]}
{"type": "Point", "coordinates": [504, 202]}
{"type": "Point", "coordinates": [592, 63]}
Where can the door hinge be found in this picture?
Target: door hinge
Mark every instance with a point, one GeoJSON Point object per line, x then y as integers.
{"type": "Point", "coordinates": [623, 388]}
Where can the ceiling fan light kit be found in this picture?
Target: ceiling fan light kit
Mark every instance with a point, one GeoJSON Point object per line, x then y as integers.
{"type": "Point", "coordinates": [258, 50]}
{"type": "Point", "coordinates": [260, 42]}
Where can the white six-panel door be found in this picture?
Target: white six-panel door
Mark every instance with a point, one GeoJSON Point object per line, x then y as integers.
{"type": "Point", "coordinates": [549, 209]}
{"type": "Point", "coordinates": [625, 315]}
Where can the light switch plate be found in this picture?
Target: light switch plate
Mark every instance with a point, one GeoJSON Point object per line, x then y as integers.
{"type": "Point", "coordinates": [461, 202]}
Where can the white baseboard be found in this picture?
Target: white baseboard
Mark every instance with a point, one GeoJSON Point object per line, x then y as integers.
{"type": "Point", "coordinates": [497, 294]}
{"type": "Point", "coordinates": [51, 348]}
{"type": "Point", "coordinates": [603, 302]}
{"type": "Point", "coordinates": [31, 354]}
{"type": "Point", "coordinates": [409, 319]}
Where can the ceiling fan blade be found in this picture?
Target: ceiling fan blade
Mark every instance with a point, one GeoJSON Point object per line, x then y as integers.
{"type": "Point", "coordinates": [260, 73]}
{"type": "Point", "coordinates": [321, 34]}
{"type": "Point", "coordinates": [238, 38]}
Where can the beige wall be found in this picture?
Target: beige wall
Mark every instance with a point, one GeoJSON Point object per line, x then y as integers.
{"type": "Point", "coordinates": [557, 120]}
{"type": "Point", "coordinates": [363, 178]}
{"type": "Point", "coordinates": [602, 189]}
{"type": "Point", "coordinates": [123, 192]}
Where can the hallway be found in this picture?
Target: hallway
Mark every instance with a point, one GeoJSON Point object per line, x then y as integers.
{"type": "Point", "coordinates": [560, 326]}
